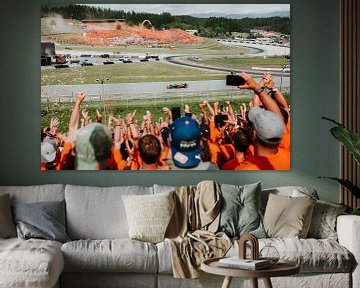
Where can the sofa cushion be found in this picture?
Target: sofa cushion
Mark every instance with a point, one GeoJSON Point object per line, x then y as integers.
{"type": "Point", "coordinates": [163, 188]}
{"type": "Point", "coordinates": [34, 193]}
{"type": "Point", "coordinates": [7, 226]}
{"type": "Point", "coordinates": [287, 216]}
{"type": "Point", "coordinates": [117, 255]}
{"type": "Point", "coordinates": [240, 212]}
{"type": "Point", "coordinates": [43, 220]}
{"type": "Point", "coordinates": [290, 191]}
{"type": "Point", "coordinates": [149, 215]}
{"type": "Point", "coordinates": [30, 263]}
{"type": "Point", "coordinates": [313, 255]}
{"type": "Point", "coordinates": [323, 222]}
{"type": "Point", "coordinates": [164, 257]}
{"type": "Point", "coordinates": [98, 213]}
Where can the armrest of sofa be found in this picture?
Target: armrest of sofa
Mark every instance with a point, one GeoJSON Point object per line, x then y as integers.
{"type": "Point", "coordinates": [348, 230]}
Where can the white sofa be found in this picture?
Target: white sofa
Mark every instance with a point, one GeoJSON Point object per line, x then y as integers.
{"type": "Point", "coordinates": [101, 254]}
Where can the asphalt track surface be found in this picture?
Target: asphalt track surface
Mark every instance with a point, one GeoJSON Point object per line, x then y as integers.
{"type": "Point", "coordinates": [142, 90]}
{"type": "Point", "coordinates": [193, 61]}
{"type": "Point", "coordinates": [256, 50]}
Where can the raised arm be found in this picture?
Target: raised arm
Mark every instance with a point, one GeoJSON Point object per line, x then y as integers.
{"type": "Point", "coordinates": [203, 112]}
{"type": "Point", "coordinates": [266, 100]}
{"type": "Point", "coordinates": [279, 97]}
{"type": "Point", "coordinates": [85, 115]}
{"type": "Point", "coordinates": [132, 126]}
{"type": "Point", "coordinates": [75, 114]}
{"type": "Point", "coordinates": [167, 111]}
{"type": "Point", "coordinates": [230, 110]}
{"type": "Point", "coordinates": [99, 117]}
{"type": "Point", "coordinates": [211, 109]}
{"type": "Point", "coordinates": [118, 136]}
{"type": "Point", "coordinates": [187, 110]}
{"type": "Point", "coordinates": [112, 120]}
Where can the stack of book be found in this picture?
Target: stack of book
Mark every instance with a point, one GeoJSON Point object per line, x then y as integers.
{"type": "Point", "coordinates": [248, 264]}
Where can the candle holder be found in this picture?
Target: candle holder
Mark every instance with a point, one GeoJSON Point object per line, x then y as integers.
{"type": "Point", "coordinates": [254, 246]}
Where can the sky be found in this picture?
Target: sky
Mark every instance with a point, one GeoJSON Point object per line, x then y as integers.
{"type": "Point", "coordinates": [185, 9]}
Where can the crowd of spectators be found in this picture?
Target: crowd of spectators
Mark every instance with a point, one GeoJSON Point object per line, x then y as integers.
{"type": "Point", "coordinates": [222, 137]}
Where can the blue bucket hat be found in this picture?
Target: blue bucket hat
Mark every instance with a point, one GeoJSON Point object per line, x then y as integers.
{"type": "Point", "coordinates": [185, 142]}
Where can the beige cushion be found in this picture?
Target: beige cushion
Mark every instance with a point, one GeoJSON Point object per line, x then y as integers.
{"type": "Point", "coordinates": [149, 215]}
{"type": "Point", "coordinates": [291, 191]}
{"type": "Point", "coordinates": [7, 226]}
{"type": "Point", "coordinates": [287, 217]}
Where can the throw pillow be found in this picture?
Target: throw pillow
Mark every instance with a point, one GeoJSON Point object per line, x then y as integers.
{"type": "Point", "coordinates": [323, 222]}
{"type": "Point", "coordinates": [292, 191]}
{"type": "Point", "coordinates": [7, 227]}
{"type": "Point", "coordinates": [240, 213]}
{"type": "Point", "coordinates": [288, 217]}
{"type": "Point", "coordinates": [149, 215]}
{"type": "Point", "coordinates": [44, 220]}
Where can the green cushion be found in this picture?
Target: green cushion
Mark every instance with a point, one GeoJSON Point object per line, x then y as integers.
{"type": "Point", "coordinates": [323, 222]}
{"type": "Point", "coordinates": [240, 213]}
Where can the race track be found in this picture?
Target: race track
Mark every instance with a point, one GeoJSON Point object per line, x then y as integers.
{"type": "Point", "coordinates": [140, 90]}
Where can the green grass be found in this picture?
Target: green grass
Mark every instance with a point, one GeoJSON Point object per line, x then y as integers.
{"type": "Point", "coordinates": [151, 71]}
{"type": "Point", "coordinates": [126, 73]}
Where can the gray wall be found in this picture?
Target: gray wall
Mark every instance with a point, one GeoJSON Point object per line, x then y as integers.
{"type": "Point", "coordinates": [315, 74]}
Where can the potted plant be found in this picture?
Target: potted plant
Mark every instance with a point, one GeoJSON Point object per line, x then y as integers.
{"type": "Point", "coordinates": [351, 141]}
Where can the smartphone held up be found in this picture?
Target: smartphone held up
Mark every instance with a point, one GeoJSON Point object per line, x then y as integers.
{"type": "Point", "coordinates": [234, 80]}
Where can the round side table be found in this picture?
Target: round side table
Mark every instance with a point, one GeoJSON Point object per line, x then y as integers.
{"type": "Point", "coordinates": [281, 268]}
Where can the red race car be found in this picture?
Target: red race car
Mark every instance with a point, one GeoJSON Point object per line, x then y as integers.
{"type": "Point", "coordinates": [177, 86]}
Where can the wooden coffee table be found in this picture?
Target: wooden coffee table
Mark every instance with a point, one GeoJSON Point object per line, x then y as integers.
{"type": "Point", "coordinates": [281, 268]}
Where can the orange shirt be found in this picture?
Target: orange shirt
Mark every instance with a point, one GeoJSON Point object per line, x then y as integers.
{"type": "Point", "coordinates": [165, 155]}
{"type": "Point", "coordinates": [214, 132]}
{"type": "Point", "coordinates": [64, 156]}
{"type": "Point", "coordinates": [279, 161]}
{"type": "Point", "coordinates": [227, 152]}
{"type": "Point", "coordinates": [285, 142]}
{"type": "Point", "coordinates": [214, 152]}
{"type": "Point", "coordinates": [233, 163]}
{"type": "Point", "coordinates": [120, 162]}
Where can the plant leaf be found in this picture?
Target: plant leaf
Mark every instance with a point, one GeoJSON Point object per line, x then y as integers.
{"type": "Point", "coordinates": [349, 139]}
{"type": "Point", "coordinates": [333, 121]}
{"type": "Point", "coordinates": [347, 184]}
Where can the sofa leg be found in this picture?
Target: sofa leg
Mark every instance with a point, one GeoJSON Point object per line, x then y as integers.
{"type": "Point", "coordinates": [267, 282]}
{"type": "Point", "coordinates": [254, 282]}
{"type": "Point", "coordinates": [227, 282]}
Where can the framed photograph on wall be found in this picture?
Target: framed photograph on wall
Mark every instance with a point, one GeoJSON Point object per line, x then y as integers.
{"type": "Point", "coordinates": [165, 87]}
